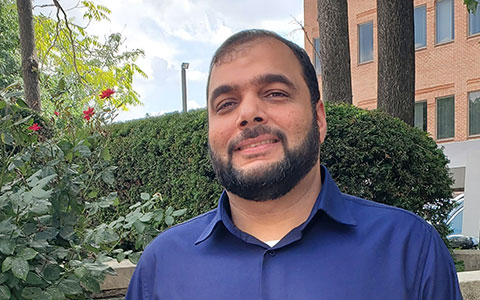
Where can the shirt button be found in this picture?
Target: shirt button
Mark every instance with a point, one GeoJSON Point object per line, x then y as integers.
{"type": "Point", "coordinates": [272, 252]}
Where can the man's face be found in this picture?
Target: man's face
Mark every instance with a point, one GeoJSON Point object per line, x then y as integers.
{"type": "Point", "coordinates": [263, 138]}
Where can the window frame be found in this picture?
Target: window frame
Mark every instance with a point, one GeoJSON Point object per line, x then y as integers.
{"type": "Point", "coordinates": [358, 43]}
{"type": "Point", "coordinates": [437, 100]}
{"type": "Point", "coordinates": [318, 68]}
{"type": "Point", "coordinates": [452, 38]}
{"type": "Point", "coordinates": [477, 14]}
{"type": "Point", "coordinates": [469, 114]}
{"type": "Point", "coordinates": [425, 33]}
{"type": "Point", "coordinates": [425, 114]}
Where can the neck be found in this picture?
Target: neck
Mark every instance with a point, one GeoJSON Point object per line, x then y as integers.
{"type": "Point", "coordinates": [273, 219]}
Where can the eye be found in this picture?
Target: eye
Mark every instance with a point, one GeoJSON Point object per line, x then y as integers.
{"type": "Point", "coordinates": [276, 94]}
{"type": "Point", "coordinates": [225, 105]}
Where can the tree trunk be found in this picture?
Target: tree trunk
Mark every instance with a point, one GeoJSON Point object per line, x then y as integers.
{"type": "Point", "coordinates": [334, 51]}
{"type": "Point", "coordinates": [29, 58]}
{"type": "Point", "coordinates": [396, 59]}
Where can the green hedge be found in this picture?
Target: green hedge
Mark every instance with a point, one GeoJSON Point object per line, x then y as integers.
{"type": "Point", "coordinates": [368, 153]}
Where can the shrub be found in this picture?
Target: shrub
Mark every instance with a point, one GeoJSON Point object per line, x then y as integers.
{"type": "Point", "coordinates": [49, 173]}
{"type": "Point", "coordinates": [368, 153]}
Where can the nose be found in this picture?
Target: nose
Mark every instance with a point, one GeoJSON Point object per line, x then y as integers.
{"type": "Point", "coordinates": [251, 112]}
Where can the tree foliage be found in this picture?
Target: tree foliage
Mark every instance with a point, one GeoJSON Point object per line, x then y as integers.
{"type": "Point", "coordinates": [471, 5]}
{"type": "Point", "coordinates": [10, 44]}
{"type": "Point", "coordinates": [77, 66]}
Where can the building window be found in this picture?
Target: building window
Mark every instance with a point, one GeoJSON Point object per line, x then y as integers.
{"type": "Point", "coordinates": [444, 25]}
{"type": "Point", "coordinates": [474, 22]}
{"type": "Point", "coordinates": [316, 52]}
{"type": "Point", "coordinates": [420, 22]}
{"type": "Point", "coordinates": [365, 42]}
{"type": "Point", "coordinates": [421, 115]}
{"type": "Point", "coordinates": [474, 113]}
{"type": "Point", "coordinates": [445, 118]}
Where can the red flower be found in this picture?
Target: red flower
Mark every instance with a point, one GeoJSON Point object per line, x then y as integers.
{"type": "Point", "coordinates": [56, 113]}
{"type": "Point", "coordinates": [87, 114]}
{"type": "Point", "coordinates": [107, 93]}
{"type": "Point", "coordinates": [34, 127]}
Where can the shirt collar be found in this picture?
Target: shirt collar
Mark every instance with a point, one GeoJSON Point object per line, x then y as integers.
{"type": "Point", "coordinates": [330, 200]}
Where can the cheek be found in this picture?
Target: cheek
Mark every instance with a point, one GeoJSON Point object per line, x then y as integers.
{"type": "Point", "coordinates": [218, 141]}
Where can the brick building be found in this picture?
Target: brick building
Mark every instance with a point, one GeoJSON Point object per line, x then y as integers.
{"type": "Point", "coordinates": [447, 83]}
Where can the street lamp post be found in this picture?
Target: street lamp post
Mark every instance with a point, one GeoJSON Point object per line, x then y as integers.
{"type": "Point", "coordinates": [184, 86]}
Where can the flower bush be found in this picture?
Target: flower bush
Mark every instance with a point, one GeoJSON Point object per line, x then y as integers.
{"type": "Point", "coordinates": [50, 247]}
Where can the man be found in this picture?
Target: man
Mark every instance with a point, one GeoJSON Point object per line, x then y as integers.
{"type": "Point", "coordinates": [282, 229]}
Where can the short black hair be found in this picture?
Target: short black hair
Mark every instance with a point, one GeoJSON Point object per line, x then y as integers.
{"type": "Point", "coordinates": [249, 35]}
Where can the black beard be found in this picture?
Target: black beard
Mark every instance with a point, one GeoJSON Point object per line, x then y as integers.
{"type": "Point", "coordinates": [274, 180]}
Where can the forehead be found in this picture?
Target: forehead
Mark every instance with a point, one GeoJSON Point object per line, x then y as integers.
{"type": "Point", "coordinates": [254, 58]}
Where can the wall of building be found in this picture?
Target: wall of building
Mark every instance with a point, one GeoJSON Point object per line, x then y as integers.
{"type": "Point", "coordinates": [449, 69]}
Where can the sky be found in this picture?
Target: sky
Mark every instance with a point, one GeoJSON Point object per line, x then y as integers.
{"type": "Point", "coordinates": [175, 31]}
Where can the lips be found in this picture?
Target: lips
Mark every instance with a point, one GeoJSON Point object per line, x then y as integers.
{"type": "Point", "coordinates": [256, 142]}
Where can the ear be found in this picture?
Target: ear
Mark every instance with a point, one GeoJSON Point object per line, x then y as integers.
{"type": "Point", "coordinates": [321, 120]}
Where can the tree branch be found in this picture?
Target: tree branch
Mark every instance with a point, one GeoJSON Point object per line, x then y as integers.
{"type": "Point", "coordinates": [72, 41]}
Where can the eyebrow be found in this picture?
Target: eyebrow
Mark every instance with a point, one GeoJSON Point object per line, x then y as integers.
{"type": "Point", "coordinates": [273, 78]}
{"type": "Point", "coordinates": [223, 89]}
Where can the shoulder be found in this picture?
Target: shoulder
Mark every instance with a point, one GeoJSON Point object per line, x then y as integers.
{"type": "Point", "coordinates": [376, 216]}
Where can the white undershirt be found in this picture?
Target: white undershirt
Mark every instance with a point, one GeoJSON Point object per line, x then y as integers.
{"type": "Point", "coordinates": [272, 243]}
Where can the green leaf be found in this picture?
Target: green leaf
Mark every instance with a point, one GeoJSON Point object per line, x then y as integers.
{"type": "Point", "coordinates": [145, 196]}
{"type": "Point", "coordinates": [70, 287]}
{"type": "Point", "coordinates": [169, 220]}
{"type": "Point", "coordinates": [106, 154]}
{"type": "Point", "coordinates": [179, 212]}
{"type": "Point", "coordinates": [146, 217]}
{"type": "Point", "coordinates": [91, 284]}
{"type": "Point", "coordinates": [139, 226]}
{"type": "Point", "coordinates": [34, 279]}
{"type": "Point", "coordinates": [169, 211]}
{"type": "Point", "coordinates": [3, 278]}
{"type": "Point", "coordinates": [7, 138]}
{"type": "Point", "coordinates": [7, 264]}
{"type": "Point", "coordinates": [80, 272]}
{"type": "Point", "coordinates": [66, 232]}
{"type": "Point", "coordinates": [4, 292]}
{"type": "Point", "coordinates": [107, 177]}
{"type": "Point", "coordinates": [20, 268]}
{"type": "Point", "coordinates": [40, 193]}
{"type": "Point", "coordinates": [55, 293]}
{"type": "Point", "coordinates": [121, 256]}
{"type": "Point", "coordinates": [7, 246]}
{"type": "Point", "coordinates": [32, 293]}
{"type": "Point", "coordinates": [93, 194]}
{"type": "Point", "coordinates": [22, 120]}
{"type": "Point", "coordinates": [43, 182]}
{"type": "Point", "coordinates": [28, 253]}
{"type": "Point", "coordinates": [82, 150]}
{"type": "Point", "coordinates": [40, 207]}
{"type": "Point", "coordinates": [52, 272]}
{"type": "Point", "coordinates": [21, 103]}
{"type": "Point", "coordinates": [134, 257]}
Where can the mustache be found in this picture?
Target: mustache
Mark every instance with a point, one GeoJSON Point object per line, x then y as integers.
{"type": "Point", "coordinates": [253, 132]}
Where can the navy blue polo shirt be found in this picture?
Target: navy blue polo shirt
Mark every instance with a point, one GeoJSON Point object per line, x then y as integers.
{"type": "Point", "coordinates": [348, 248]}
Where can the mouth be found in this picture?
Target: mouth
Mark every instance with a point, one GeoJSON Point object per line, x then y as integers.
{"type": "Point", "coordinates": [256, 144]}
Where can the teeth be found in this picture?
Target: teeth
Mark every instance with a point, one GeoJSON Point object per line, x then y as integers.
{"type": "Point", "coordinates": [257, 144]}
